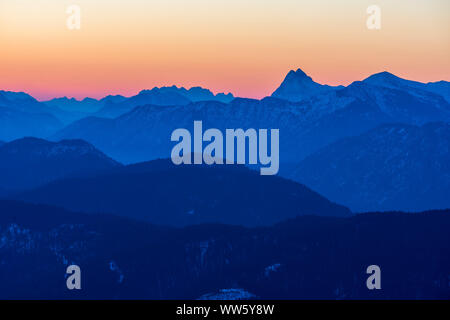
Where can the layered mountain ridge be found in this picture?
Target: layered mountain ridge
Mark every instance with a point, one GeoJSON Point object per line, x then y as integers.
{"type": "Point", "coordinates": [392, 167]}
{"type": "Point", "coordinates": [303, 258]}
{"type": "Point", "coordinates": [162, 193]}
{"type": "Point", "coordinates": [30, 162]}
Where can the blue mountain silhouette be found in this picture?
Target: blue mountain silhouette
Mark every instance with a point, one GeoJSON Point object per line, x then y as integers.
{"type": "Point", "coordinates": [378, 144]}
{"type": "Point", "coordinates": [143, 133]}
{"type": "Point", "coordinates": [322, 116]}
{"type": "Point", "coordinates": [16, 124]}
{"type": "Point", "coordinates": [85, 106]}
{"type": "Point", "coordinates": [30, 162]}
{"type": "Point", "coordinates": [196, 94]}
{"type": "Point", "coordinates": [303, 258]}
{"type": "Point", "coordinates": [298, 86]}
{"type": "Point", "coordinates": [162, 193]}
{"type": "Point", "coordinates": [22, 115]}
{"type": "Point", "coordinates": [392, 167]}
{"type": "Point", "coordinates": [386, 79]}
{"type": "Point", "coordinates": [164, 96]}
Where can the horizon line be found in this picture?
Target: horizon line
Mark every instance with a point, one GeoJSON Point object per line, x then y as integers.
{"type": "Point", "coordinates": [215, 93]}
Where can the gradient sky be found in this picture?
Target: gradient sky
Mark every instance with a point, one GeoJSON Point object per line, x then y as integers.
{"type": "Point", "coordinates": [241, 46]}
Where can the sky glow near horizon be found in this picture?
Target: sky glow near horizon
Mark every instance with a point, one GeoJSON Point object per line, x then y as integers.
{"type": "Point", "coordinates": [241, 46]}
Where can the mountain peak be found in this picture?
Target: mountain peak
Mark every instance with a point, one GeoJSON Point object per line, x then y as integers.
{"type": "Point", "coordinates": [62, 99]}
{"type": "Point", "coordinates": [297, 86]}
{"type": "Point", "coordinates": [383, 76]}
{"type": "Point", "coordinates": [194, 94]}
{"type": "Point", "coordinates": [298, 74]}
{"type": "Point", "coordinates": [17, 96]}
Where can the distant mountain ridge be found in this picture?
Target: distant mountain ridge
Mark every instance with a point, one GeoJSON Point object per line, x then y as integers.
{"type": "Point", "coordinates": [387, 79]}
{"type": "Point", "coordinates": [392, 167]}
{"type": "Point", "coordinates": [153, 97]}
{"type": "Point", "coordinates": [298, 86]}
{"type": "Point", "coordinates": [87, 105]}
{"type": "Point", "coordinates": [162, 193]}
{"type": "Point", "coordinates": [323, 116]}
{"type": "Point", "coordinates": [196, 94]}
{"type": "Point", "coordinates": [115, 105]}
{"type": "Point", "coordinates": [164, 96]}
{"type": "Point", "coordinates": [30, 162]}
{"type": "Point", "coordinates": [21, 115]}
{"type": "Point", "coordinates": [7, 97]}
{"type": "Point", "coordinates": [16, 124]}
{"type": "Point", "coordinates": [306, 126]}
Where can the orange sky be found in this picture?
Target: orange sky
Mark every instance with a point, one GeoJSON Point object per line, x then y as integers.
{"type": "Point", "coordinates": [242, 46]}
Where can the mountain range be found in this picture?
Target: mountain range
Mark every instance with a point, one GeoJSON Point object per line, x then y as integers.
{"type": "Point", "coordinates": [392, 167]}
{"type": "Point", "coordinates": [386, 79]}
{"type": "Point", "coordinates": [113, 106]}
{"type": "Point", "coordinates": [311, 118]}
{"type": "Point", "coordinates": [31, 162]}
{"type": "Point", "coordinates": [302, 258]}
{"type": "Point", "coordinates": [305, 126]}
{"type": "Point", "coordinates": [85, 106]}
{"type": "Point", "coordinates": [164, 96]}
{"type": "Point", "coordinates": [22, 115]}
{"type": "Point", "coordinates": [89, 183]}
{"type": "Point", "coordinates": [164, 194]}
